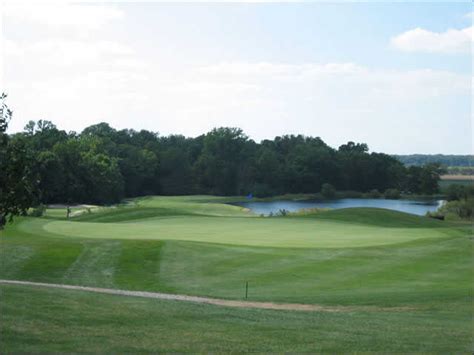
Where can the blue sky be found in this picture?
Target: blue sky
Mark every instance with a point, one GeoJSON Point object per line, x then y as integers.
{"type": "Point", "coordinates": [394, 75]}
{"type": "Point", "coordinates": [301, 32]}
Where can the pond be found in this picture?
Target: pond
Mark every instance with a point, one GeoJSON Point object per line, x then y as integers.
{"type": "Point", "coordinates": [418, 207]}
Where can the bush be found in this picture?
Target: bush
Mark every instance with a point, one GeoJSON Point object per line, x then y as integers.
{"type": "Point", "coordinates": [456, 192]}
{"type": "Point", "coordinates": [328, 191]}
{"type": "Point", "coordinates": [374, 194]}
{"type": "Point", "coordinates": [38, 211]}
{"type": "Point", "coordinates": [463, 209]}
{"type": "Point", "coordinates": [392, 194]}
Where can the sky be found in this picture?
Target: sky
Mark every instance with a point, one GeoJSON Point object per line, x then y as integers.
{"type": "Point", "coordinates": [397, 76]}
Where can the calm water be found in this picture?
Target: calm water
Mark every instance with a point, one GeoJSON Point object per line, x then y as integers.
{"type": "Point", "coordinates": [409, 206]}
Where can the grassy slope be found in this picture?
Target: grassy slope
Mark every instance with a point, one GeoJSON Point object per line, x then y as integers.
{"type": "Point", "coordinates": [418, 272]}
{"type": "Point", "coordinates": [434, 275]}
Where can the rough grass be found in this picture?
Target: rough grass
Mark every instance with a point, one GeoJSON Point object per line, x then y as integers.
{"type": "Point", "coordinates": [71, 321]}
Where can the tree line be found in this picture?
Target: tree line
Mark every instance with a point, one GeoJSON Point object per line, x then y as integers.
{"type": "Point", "coordinates": [450, 160]}
{"type": "Point", "coordinates": [44, 164]}
{"type": "Point", "coordinates": [103, 165]}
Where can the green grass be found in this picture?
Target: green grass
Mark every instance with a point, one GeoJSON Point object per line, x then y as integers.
{"type": "Point", "coordinates": [257, 232]}
{"type": "Point", "coordinates": [419, 272]}
{"type": "Point", "coordinates": [44, 320]}
{"type": "Point", "coordinates": [380, 218]}
{"type": "Point", "coordinates": [328, 229]}
{"type": "Point", "coordinates": [198, 246]}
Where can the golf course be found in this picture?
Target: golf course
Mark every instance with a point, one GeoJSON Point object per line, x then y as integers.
{"type": "Point", "coordinates": [194, 273]}
{"type": "Point", "coordinates": [233, 177]}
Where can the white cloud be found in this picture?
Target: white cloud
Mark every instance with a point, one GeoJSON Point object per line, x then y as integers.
{"type": "Point", "coordinates": [71, 53]}
{"type": "Point", "coordinates": [421, 40]}
{"type": "Point", "coordinates": [60, 66]}
{"type": "Point", "coordinates": [404, 84]}
{"type": "Point", "coordinates": [77, 80]}
{"type": "Point", "coordinates": [281, 70]}
{"type": "Point", "coordinates": [192, 100]}
{"type": "Point", "coordinates": [2, 43]}
{"type": "Point", "coordinates": [61, 14]}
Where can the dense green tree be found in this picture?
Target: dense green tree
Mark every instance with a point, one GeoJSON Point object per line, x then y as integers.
{"type": "Point", "coordinates": [354, 148]}
{"type": "Point", "coordinates": [139, 168]}
{"type": "Point", "coordinates": [176, 165]}
{"type": "Point", "coordinates": [309, 165]}
{"type": "Point", "coordinates": [51, 171]}
{"type": "Point", "coordinates": [458, 192]}
{"type": "Point", "coordinates": [102, 176]}
{"type": "Point", "coordinates": [430, 176]}
{"type": "Point", "coordinates": [102, 164]}
{"type": "Point", "coordinates": [102, 130]}
{"type": "Point", "coordinates": [18, 180]}
{"type": "Point", "coordinates": [219, 164]}
{"type": "Point", "coordinates": [267, 168]}
{"type": "Point", "coordinates": [355, 165]}
{"type": "Point", "coordinates": [328, 191]}
{"type": "Point", "coordinates": [424, 179]}
{"type": "Point", "coordinates": [43, 135]}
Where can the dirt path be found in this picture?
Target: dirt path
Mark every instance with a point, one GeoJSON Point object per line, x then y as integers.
{"type": "Point", "coordinates": [213, 301]}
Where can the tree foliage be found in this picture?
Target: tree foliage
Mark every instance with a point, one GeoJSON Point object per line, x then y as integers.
{"type": "Point", "coordinates": [17, 171]}
{"type": "Point", "coordinates": [460, 202]}
{"type": "Point", "coordinates": [102, 165]}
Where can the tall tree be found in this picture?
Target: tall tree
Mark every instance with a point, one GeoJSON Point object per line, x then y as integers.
{"type": "Point", "coordinates": [219, 164]}
{"type": "Point", "coordinates": [17, 175]}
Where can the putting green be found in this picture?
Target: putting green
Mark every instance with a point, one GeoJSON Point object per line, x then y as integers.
{"type": "Point", "coordinates": [267, 232]}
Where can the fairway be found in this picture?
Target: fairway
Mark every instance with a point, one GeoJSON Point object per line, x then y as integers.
{"type": "Point", "coordinates": [359, 259]}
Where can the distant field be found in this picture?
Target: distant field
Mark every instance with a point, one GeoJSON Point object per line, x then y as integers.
{"type": "Point", "coordinates": [460, 170]}
{"type": "Point", "coordinates": [199, 246]}
{"type": "Point", "coordinates": [458, 177]}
